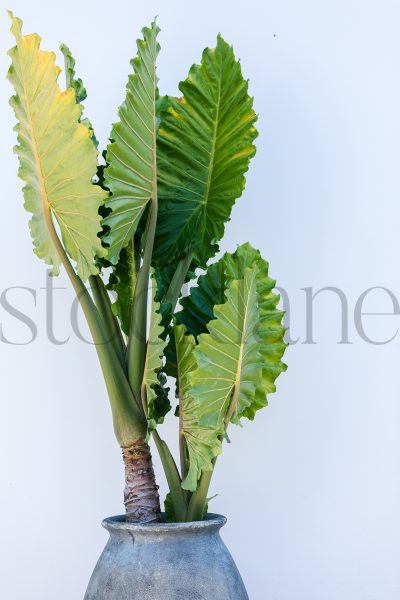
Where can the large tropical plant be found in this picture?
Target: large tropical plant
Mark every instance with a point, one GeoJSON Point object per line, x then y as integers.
{"type": "Point", "coordinates": [131, 230]}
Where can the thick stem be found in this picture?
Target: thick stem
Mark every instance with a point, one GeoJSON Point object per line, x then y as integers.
{"type": "Point", "coordinates": [171, 297]}
{"type": "Point", "coordinates": [178, 279]}
{"type": "Point", "coordinates": [198, 500]}
{"type": "Point", "coordinates": [141, 498]}
{"type": "Point", "coordinates": [112, 328]}
{"type": "Point", "coordinates": [136, 351]}
{"type": "Point", "coordinates": [178, 495]}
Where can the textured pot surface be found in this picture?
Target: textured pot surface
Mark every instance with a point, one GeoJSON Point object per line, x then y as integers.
{"type": "Point", "coordinates": [166, 561]}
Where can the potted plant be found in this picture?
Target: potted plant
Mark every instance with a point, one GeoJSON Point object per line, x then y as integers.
{"type": "Point", "coordinates": [130, 232]}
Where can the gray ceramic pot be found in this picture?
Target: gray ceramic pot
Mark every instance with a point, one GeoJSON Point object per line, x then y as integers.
{"type": "Point", "coordinates": [159, 561]}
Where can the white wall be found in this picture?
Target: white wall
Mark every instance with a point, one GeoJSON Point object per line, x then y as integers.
{"type": "Point", "coordinates": [312, 488]}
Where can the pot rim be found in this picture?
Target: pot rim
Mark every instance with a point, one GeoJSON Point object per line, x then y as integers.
{"type": "Point", "coordinates": [119, 523]}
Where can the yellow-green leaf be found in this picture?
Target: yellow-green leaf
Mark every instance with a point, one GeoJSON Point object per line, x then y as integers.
{"type": "Point", "coordinates": [57, 158]}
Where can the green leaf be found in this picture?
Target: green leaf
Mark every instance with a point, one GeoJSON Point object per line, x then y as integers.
{"type": "Point", "coordinates": [204, 146]}
{"type": "Point", "coordinates": [166, 274]}
{"type": "Point", "coordinates": [124, 274]}
{"type": "Point", "coordinates": [157, 403]}
{"type": "Point", "coordinates": [162, 103]}
{"type": "Point", "coordinates": [198, 310]}
{"type": "Point", "coordinates": [76, 84]}
{"type": "Point", "coordinates": [72, 81]}
{"type": "Point", "coordinates": [169, 509]}
{"type": "Point", "coordinates": [201, 441]}
{"type": "Point", "coordinates": [236, 362]}
{"type": "Point", "coordinates": [220, 375]}
{"type": "Point", "coordinates": [57, 158]}
{"type": "Point", "coordinates": [272, 346]}
{"type": "Point", "coordinates": [228, 358]}
{"type": "Point", "coordinates": [131, 173]}
{"type": "Point", "coordinates": [198, 307]}
{"type": "Point", "coordinates": [123, 281]}
{"type": "Point", "coordinates": [271, 330]}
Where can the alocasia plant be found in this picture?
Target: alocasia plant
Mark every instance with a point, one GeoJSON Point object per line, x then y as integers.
{"type": "Point", "coordinates": [149, 217]}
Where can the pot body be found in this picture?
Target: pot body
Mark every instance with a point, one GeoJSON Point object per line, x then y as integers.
{"type": "Point", "coordinates": [166, 561]}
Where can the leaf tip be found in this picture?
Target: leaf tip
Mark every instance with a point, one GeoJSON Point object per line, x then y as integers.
{"type": "Point", "coordinates": [222, 42]}
{"type": "Point", "coordinates": [64, 49]}
{"type": "Point", "coordinates": [16, 24]}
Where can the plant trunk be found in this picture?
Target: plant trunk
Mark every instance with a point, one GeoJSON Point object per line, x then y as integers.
{"type": "Point", "coordinates": [141, 498]}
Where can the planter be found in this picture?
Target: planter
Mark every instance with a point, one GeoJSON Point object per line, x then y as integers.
{"type": "Point", "coordinates": [166, 561]}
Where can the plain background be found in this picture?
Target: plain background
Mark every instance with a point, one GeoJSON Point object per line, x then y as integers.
{"type": "Point", "coordinates": [312, 488]}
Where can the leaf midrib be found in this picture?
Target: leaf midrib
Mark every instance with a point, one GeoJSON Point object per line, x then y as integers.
{"type": "Point", "coordinates": [212, 151]}
{"type": "Point", "coordinates": [235, 398]}
{"type": "Point", "coordinates": [43, 193]}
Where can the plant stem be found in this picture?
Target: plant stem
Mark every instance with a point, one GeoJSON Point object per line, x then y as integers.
{"type": "Point", "coordinates": [178, 495]}
{"type": "Point", "coordinates": [182, 441]}
{"type": "Point", "coordinates": [199, 498]}
{"type": "Point", "coordinates": [103, 304]}
{"type": "Point", "coordinates": [174, 290]}
{"type": "Point", "coordinates": [171, 297]}
{"type": "Point", "coordinates": [182, 448]}
{"type": "Point", "coordinates": [129, 421]}
{"type": "Point", "coordinates": [136, 353]}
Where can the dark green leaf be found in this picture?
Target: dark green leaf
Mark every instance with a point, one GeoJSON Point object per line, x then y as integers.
{"type": "Point", "coordinates": [72, 81]}
{"type": "Point", "coordinates": [204, 146]}
{"type": "Point", "coordinates": [123, 281]}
